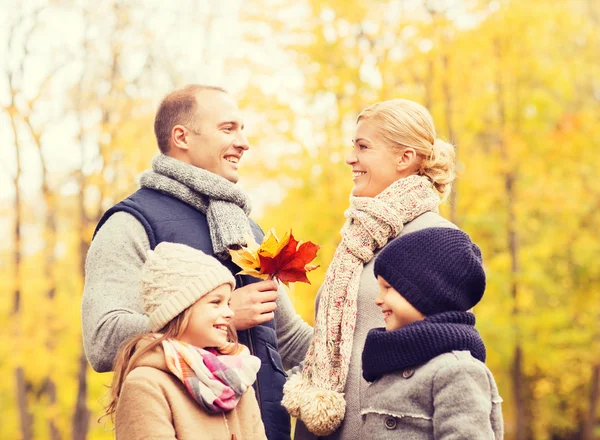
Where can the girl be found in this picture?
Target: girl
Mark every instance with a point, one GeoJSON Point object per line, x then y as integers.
{"type": "Point", "coordinates": [401, 172]}
{"type": "Point", "coordinates": [188, 379]}
{"type": "Point", "coordinates": [426, 365]}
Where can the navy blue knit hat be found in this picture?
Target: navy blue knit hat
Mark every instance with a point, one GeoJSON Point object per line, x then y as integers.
{"type": "Point", "coordinates": [435, 269]}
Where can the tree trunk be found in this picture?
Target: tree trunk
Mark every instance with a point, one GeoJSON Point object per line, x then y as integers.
{"type": "Point", "coordinates": [15, 77]}
{"type": "Point", "coordinates": [450, 125]}
{"type": "Point", "coordinates": [17, 226]}
{"type": "Point", "coordinates": [429, 85]}
{"type": "Point", "coordinates": [589, 426]}
{"type": "Point", "coordinates": [50, 234]}
{"type": "Point", "coordinates": [50, 275]}
{"type": "Point", "coordinates": [25, 416]}
{"type": "Point", "coordinates": [49, 389]}
{"type": "Point", "coordinates": [430, 73]}
{"type": "Point", "coordinates": [590, 420]}
{"type": "Point", "coordinates": [50, 272]}
{"type": "Point", "coordinates": [81, 416]}
{"type": "Point", "coordinates": [517, 377]}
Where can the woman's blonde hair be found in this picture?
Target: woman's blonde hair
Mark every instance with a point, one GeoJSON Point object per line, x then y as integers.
{"type": "Point", "coordinates": [406, 124]}
{"type": "Point", "coordinates": [128, 356]}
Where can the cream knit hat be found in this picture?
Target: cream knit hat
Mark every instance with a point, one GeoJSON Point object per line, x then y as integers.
{"type": "Point", "coordinates": [174, 277]}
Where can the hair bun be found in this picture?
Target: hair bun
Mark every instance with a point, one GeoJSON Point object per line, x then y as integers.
{"type": "Point", "coordinates": [439, 167]}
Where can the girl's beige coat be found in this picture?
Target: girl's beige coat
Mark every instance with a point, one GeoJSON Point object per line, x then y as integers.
{"type": "Point", "coordinates": [154, 404]}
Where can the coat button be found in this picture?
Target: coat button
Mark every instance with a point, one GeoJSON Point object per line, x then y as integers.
{"type": "Point", "coordinates": [408, 373]}
{"type": "Point", "coordinates": [390, 423]}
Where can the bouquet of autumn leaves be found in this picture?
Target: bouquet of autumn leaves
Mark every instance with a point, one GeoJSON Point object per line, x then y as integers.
{"type": "Point", "coordinates": [285, 259]}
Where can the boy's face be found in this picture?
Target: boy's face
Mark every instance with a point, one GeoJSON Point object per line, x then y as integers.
{"type": "Point", "coordinates": [397, 312]}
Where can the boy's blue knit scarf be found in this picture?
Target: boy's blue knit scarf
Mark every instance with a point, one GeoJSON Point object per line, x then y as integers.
{"type": "Point", "coordinates": [419, 342]}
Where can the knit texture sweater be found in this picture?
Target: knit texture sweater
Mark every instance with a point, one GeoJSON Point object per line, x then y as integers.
{"type": "Point", "coordinates": [154, 404]}
{"type": "Point", "coordinates": [369, 316]}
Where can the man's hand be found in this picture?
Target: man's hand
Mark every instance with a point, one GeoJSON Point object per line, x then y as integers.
{"type": "Point", "coordinates": [253, 304]}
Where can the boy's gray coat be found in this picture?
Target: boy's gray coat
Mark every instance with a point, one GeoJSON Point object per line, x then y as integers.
{"type": "Point", "coordinates": [453, 396]}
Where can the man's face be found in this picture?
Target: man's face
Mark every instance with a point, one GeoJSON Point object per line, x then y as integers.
{"type": "Point", "coordinates": [218, 143]}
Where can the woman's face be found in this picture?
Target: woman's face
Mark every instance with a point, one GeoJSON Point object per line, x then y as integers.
{"type": "Point", "coordinates": [375, 166]}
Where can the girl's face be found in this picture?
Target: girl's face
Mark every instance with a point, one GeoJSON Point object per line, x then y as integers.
{"type": "Point", "coordinates": [397, 312]}
{"type": "Point", "coordinates": [375, 166]}
{"type": "Point", "coordinates": [209, 319]}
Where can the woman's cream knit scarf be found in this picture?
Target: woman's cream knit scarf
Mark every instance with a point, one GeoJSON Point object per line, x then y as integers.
{"type": "Point", "coordinates": [316, 395]}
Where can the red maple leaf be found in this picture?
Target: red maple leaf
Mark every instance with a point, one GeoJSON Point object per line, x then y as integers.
{"type": "Point", "coordinates": [292, 263]}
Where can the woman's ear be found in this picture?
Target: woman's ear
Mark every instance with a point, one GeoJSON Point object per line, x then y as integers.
{"type": "Point", "coordinates": [407, 160]}
{"type": "Point", "coordinates": [179, 137]}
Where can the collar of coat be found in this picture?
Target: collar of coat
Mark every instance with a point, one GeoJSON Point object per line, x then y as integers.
{"type": "Point", "coordinates": [419, 342]}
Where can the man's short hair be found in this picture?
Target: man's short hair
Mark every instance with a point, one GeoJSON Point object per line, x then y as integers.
{"type": "Point", "coordinates": [178, 107]}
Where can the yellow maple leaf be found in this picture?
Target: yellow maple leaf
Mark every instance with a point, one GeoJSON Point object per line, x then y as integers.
{"type": "Point", "coordinates": [272, 245]}
{"type": "Point", "coordinates": [247, 259]}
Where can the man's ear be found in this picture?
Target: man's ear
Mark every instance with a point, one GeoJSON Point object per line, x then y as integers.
{"type": "Point", "coordinates": [179, 137]}
{"type": "Point", "coordinates": [406, 159]}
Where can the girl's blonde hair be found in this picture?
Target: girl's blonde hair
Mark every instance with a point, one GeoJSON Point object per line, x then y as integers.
{"type": "Point", "coordinates": [406, 124]}
{"type": "Point", "coordinates": [128, 356]}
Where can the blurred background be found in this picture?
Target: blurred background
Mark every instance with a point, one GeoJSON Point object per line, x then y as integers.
{"type": "Point", "coordinates": [514, 84]}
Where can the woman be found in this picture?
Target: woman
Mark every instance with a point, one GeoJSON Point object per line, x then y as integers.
{"type": "Point", "coordinates": [401, 173]}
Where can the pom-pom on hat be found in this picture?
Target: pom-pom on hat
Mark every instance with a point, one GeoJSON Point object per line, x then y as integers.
{"type": "Point", "coordinates": [174, 277]}
{"type": "Point", "coordinates": [435, 269]}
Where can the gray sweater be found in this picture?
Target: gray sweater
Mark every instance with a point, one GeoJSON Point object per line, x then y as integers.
{"type": "Point", "coordinates": [111, 311]}
{"type": "Point", "coordinates": [453, 396]}
{"type": "Point", "coordinates": [369, 316]}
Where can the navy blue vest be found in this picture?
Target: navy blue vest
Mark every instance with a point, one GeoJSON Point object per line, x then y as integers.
{"type": "Point", "coordinates": [166, 218]}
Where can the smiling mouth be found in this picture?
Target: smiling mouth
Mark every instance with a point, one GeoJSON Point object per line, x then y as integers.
{"type": "Point", "coordinates": [358, 173]}
{"type": "Point", "coordinates": [232, 159]}
{"type": "Point", "coordinates": [222, 327]}
{"type": "Point", "coordinates": [386, 314]}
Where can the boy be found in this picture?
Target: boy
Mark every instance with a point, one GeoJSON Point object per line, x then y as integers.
{"type": "Point", "coordinates": [426, 367]}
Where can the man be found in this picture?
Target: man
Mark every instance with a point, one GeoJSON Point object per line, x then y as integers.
{"type": "Point", "coordinates": [190, 197]}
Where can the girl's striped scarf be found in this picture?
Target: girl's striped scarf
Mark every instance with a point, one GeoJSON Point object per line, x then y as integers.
{"type": "Point", "coordinates": [216, 382]}
{"type": "Point", "coordinates": [316, 395]}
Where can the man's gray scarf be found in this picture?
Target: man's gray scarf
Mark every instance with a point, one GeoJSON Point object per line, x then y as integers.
{"type": "Point", "coordinates": [225, 205]}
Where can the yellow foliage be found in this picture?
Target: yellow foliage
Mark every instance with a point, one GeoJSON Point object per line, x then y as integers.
{"type": "Point", "coordinates": [513, 84]}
